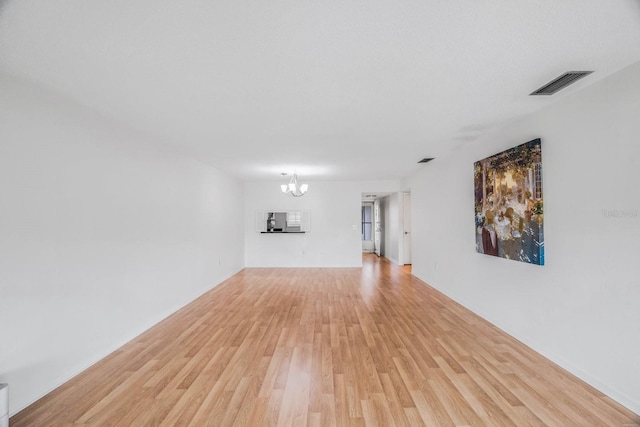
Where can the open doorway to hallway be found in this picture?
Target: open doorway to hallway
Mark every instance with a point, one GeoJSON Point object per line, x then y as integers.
{"type": "Point", "coordinates": [372, 223]}
{"type": "Point", "coordinates": [386, 225]}
{"type": "Point", "coordinates": [367, 225]}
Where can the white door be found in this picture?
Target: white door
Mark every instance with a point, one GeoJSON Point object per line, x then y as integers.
{"type": "Point", "coordinates": [406, 223]}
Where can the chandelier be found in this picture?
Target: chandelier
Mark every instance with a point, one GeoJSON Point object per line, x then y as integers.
{"type": "Point", "coordinates": [293, 188]}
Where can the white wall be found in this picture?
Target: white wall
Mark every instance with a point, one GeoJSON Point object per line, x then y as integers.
{"type": "Point", "coordinates": [102, 235]}
{"type": "Point", "coordinates": [335, 236]}
{"type": "Point", "coordinates": [581, 308]}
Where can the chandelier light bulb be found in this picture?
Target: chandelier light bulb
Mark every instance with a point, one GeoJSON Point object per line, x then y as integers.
{"type": "Point", "coordinates": [293, 188]}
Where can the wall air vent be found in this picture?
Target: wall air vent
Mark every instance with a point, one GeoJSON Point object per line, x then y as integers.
{"type": "Point", "coordinates": [426, 160]}
{"type": "Point", "coordinates": [561, 82]}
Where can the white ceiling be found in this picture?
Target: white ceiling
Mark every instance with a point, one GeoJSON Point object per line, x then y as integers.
{"type": "Point", "coordinates": [337, 89]}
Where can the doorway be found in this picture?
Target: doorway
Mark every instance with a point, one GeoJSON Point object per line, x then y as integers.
{"type": "Point", "coordinates": [368, 245]}
{"type": "Point", "coordinates": [377, 228]}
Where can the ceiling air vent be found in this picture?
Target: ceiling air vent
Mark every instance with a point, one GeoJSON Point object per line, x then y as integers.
{"type": "Point", "coordinates": [561, 82]}
{"type": "Point", "coordinates": [426, 160]}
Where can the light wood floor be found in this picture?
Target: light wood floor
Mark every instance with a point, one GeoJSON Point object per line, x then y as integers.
{"type": "Point", "coordinates": [370, 346]}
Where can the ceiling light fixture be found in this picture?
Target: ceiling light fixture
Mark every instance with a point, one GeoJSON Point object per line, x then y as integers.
{"type": "Point", "coordinates": [293, 188]}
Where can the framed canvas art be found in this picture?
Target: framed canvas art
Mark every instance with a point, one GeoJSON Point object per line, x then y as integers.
{"type": "Point", "coordinates": [509, 214]}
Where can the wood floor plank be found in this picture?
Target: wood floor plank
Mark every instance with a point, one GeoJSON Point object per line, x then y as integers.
{"type": "Point", "coordinates": [325, 347]}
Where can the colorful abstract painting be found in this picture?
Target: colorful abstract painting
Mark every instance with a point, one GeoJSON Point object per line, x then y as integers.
{"type": "Point", "coordinates": [509, 212]}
